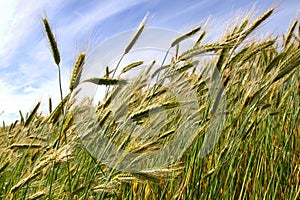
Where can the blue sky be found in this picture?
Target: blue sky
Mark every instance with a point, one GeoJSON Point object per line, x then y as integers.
{"type": "Point", "coordinates": [28, 73]}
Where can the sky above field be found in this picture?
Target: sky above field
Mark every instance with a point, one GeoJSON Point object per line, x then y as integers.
{"type": "Point", "coordinates": [28, 73]}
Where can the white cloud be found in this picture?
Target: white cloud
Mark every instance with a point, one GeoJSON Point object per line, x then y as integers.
{"type": "Point", "coordinates": [11, 104]}
{"type": "Point", "coordinates": [12, 101]}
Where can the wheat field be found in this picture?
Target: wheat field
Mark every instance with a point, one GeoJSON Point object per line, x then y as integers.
{"type": "Point", "coordinates": [257, 154]}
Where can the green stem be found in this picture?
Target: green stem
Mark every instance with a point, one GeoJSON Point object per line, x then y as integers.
{"type": "Point", "coordinates": [60, 87]}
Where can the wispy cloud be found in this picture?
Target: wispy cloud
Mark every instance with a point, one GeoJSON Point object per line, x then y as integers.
{"type": "Point", "coordinates": [20, 22]}
{"type": "Point", "coordinates": [87, 19]}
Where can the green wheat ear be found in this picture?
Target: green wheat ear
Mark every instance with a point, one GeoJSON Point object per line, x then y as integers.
{"type": "Point", "coordinates": [77, 71]}
{"type": "Point", "coordinates": [290, 33]}
{"type": "Point", "coordinates": [185, 36]}
{"type": "Point", "coordinates": [52, 41]}
{"type": "Point", "coordinates": [106, 81]}
{"type": "Point", "coordinates": [32, 114]}
{"type": "Point", "coordinates": [132, 65]}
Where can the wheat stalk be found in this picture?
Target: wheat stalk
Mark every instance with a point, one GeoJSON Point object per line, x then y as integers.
{"type": "Point", "coordinates": [23, 182]}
